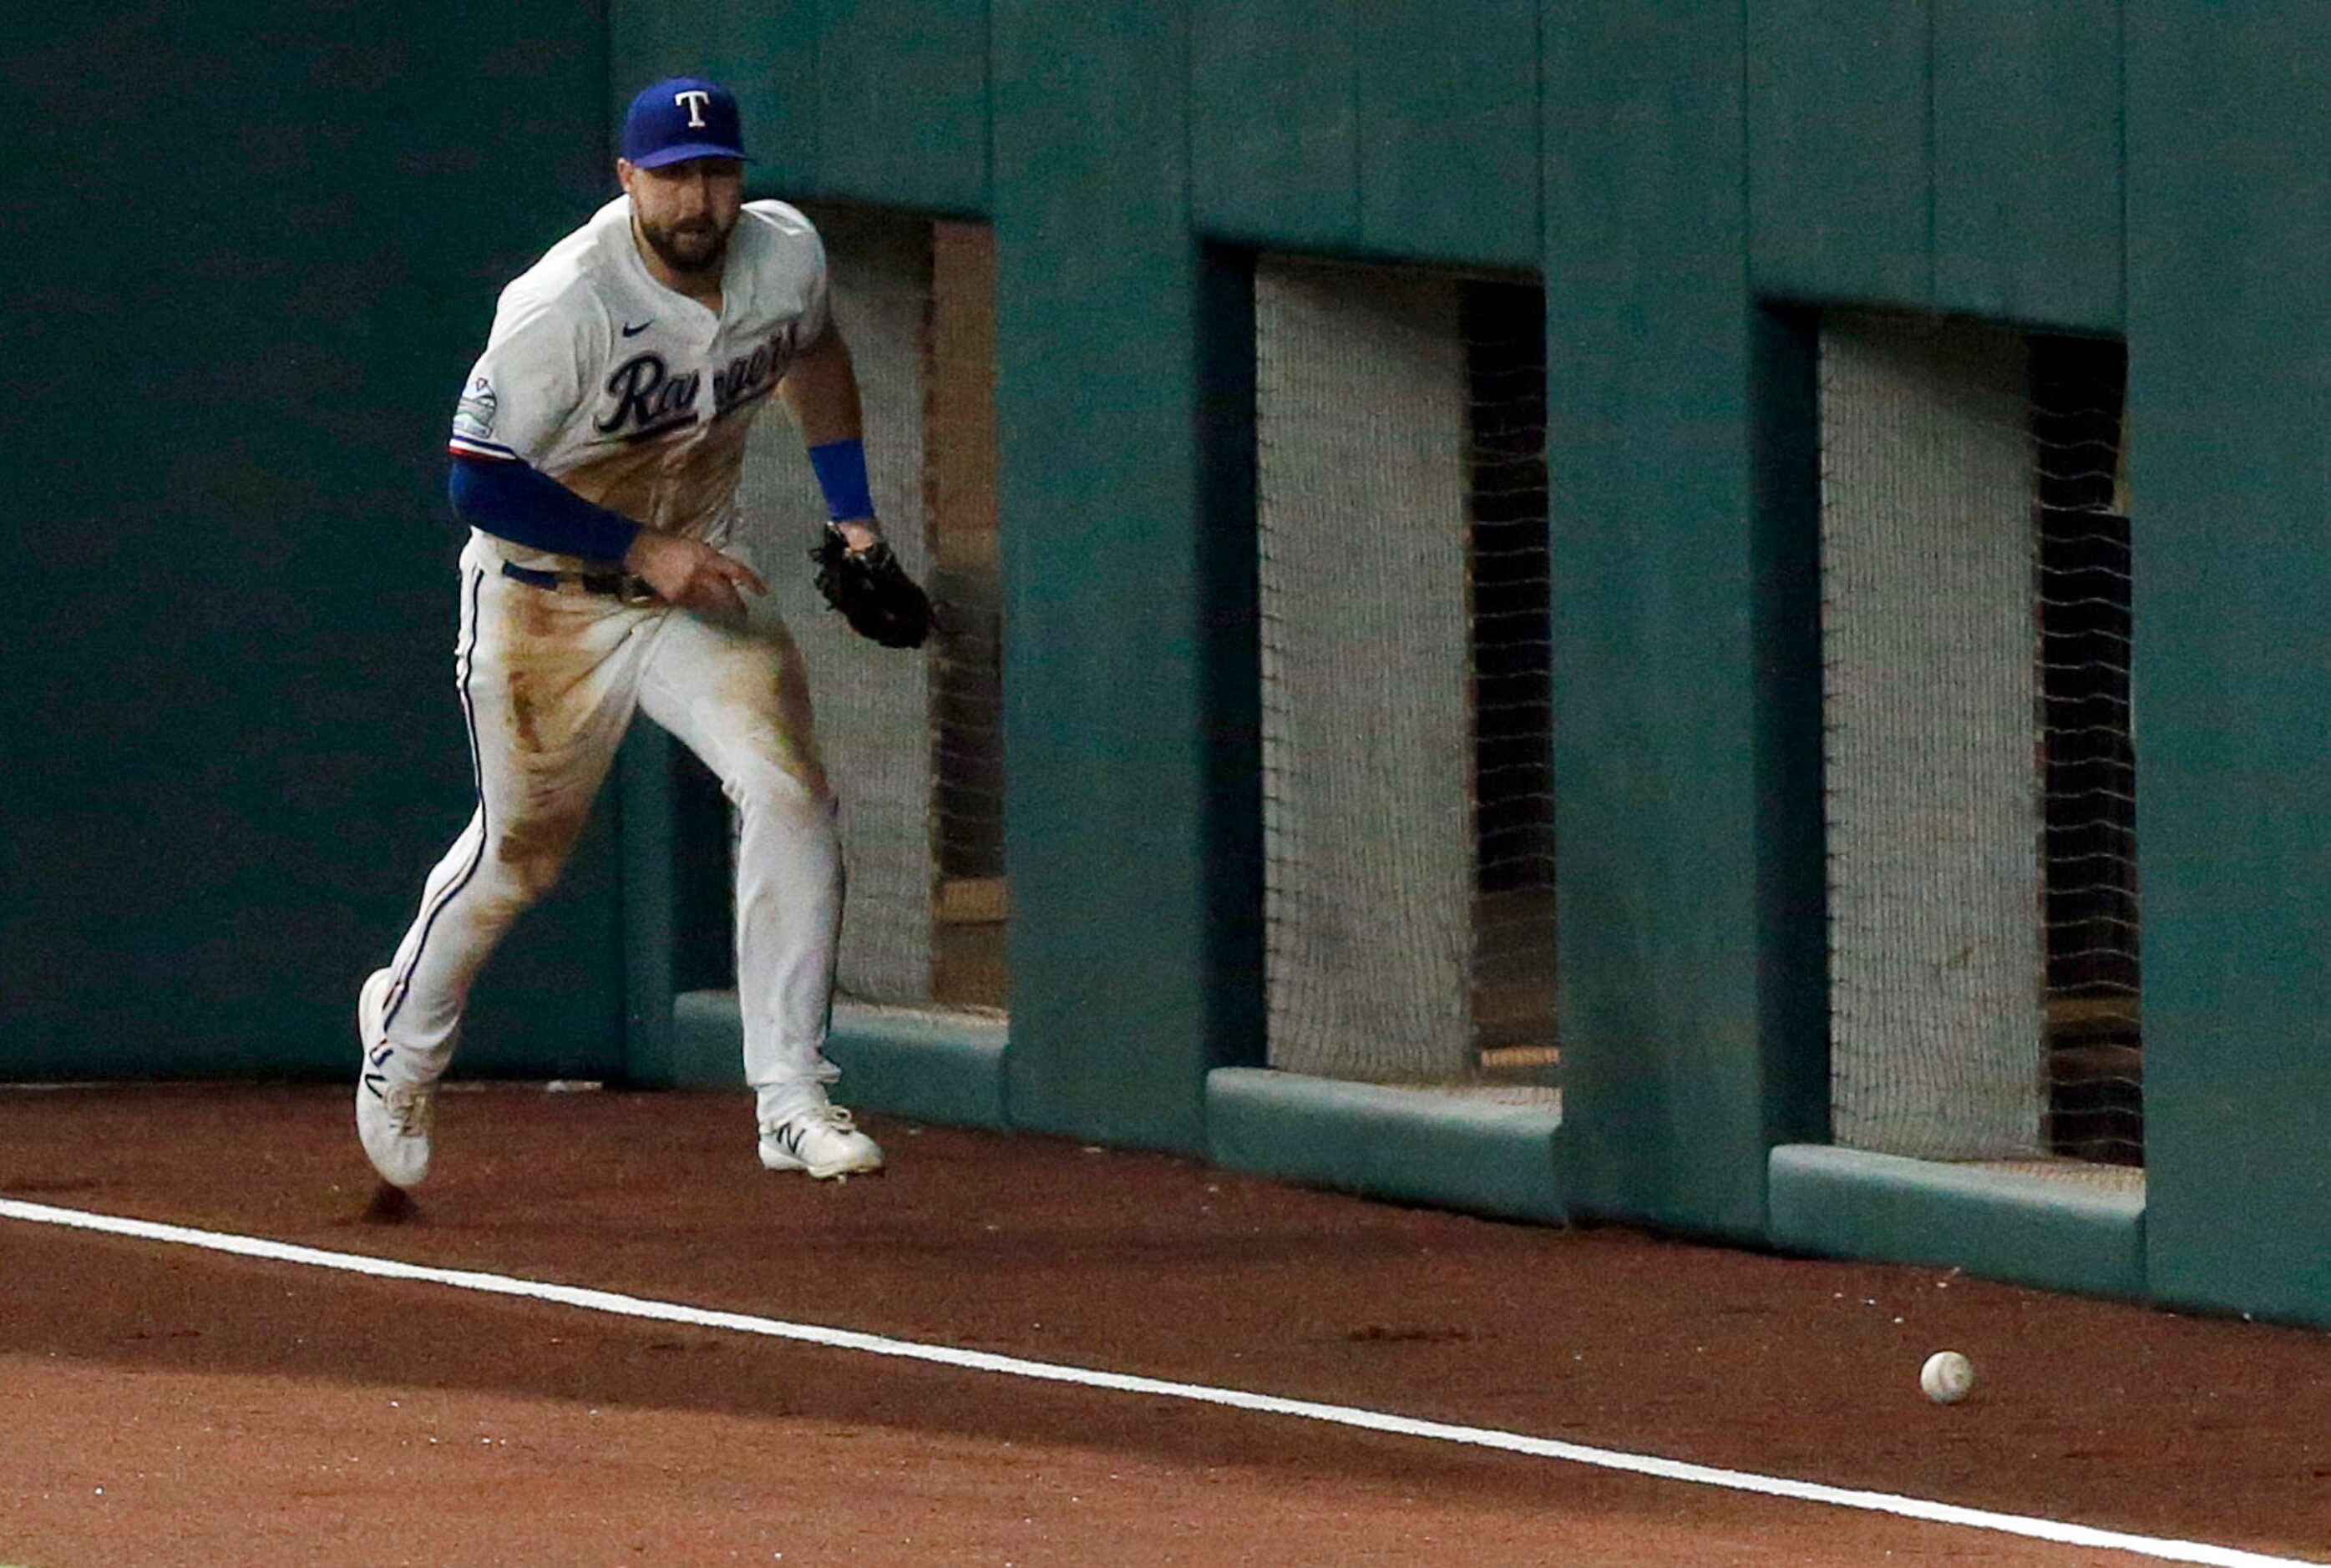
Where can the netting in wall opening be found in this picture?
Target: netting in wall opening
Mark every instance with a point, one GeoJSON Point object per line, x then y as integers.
{"type": "Point", "coordinates": [1406, 677]}
{"type": "Point", "coordinates": [1980, 762]}
{"type": "Point", "coordinates": [1512, 643]}
{"type": "Point", "coordinates": [913, 740]}
{"type": "Point", "coordinates": [2095, 1056]}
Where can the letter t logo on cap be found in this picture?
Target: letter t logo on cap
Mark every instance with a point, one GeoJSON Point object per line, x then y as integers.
{"type": "Point", "coordinates": [678, 118]}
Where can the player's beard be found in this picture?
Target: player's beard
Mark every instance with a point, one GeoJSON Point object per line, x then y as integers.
{"type": "Point", "coordinates": [693, 248]}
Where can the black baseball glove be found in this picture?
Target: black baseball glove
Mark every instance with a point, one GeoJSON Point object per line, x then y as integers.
{"type": "Point", "coordinates": [872, 591]}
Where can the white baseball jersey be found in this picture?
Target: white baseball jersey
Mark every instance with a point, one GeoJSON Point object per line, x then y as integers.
{"type": "Point", "coordinates": [632, 394]}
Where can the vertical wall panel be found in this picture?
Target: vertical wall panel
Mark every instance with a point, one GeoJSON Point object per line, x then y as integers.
{"type": "Point", "coordinates": [1449, 134]}
{"type": "Point", "coordinates": [1130, 843]}
{"type": "Point", "coordinates": [2230, 442]}
{"type": "Point", "coordinates": [1274, 122]}
{"type": "Point", "coordinates": [901, 89]}
{"type": "Point", "coordinates": [2028, 161]}
{"type": "Point", "coordinates": [1840, 192]}
{"type": "Point", "coordinates": [1670, 770]}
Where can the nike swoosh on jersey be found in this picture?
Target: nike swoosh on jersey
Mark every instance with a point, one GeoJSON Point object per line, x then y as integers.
{"type": "Point", "coordinates": [632, 332]}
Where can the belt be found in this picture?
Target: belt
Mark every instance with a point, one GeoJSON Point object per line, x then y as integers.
{"type": "Point", "coordinates": [623, 585]}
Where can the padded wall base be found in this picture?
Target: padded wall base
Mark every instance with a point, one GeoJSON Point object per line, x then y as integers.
{"type": "Point", "coordinates": [1420, 1147]}
{"type": "Point", "coordinates": [928, 1066]}
{"type": "Point", "coordinates": [2061, 1234]}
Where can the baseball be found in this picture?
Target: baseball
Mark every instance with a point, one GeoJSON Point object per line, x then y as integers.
{"type": "Point", "coordinates": [1946, 1377]}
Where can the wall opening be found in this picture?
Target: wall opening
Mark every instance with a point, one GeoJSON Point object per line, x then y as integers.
{"type": "Point", "coordinates": [1406, 659]}
{"type": "Point", "coordinates": [913, 740]}
{"type": "Point", "coordinates": [1980, 746]}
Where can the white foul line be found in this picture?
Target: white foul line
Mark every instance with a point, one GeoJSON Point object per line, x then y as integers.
{"type": "Point", "coordinates": [624, 1305]}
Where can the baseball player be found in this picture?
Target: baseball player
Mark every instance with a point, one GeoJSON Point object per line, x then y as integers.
{"type": "Point", "coordinates": [596, 451]}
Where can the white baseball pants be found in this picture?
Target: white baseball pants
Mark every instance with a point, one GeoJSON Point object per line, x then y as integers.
{"type": "Point", "coordinates": [548, 683]}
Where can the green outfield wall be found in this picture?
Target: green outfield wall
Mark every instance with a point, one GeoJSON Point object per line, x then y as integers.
{"type": "Point", "coordinates": [1694, 183]}
{"type": "Point", "coordinates": [256, 249]}
{"type": "Point", "coordinates": [246, 752]}
{"type": "Point", "coordinates": [2229, 253]}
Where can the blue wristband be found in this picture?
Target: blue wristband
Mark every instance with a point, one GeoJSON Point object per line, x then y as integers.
{"type": "Point", "coordinates": [841, 467]}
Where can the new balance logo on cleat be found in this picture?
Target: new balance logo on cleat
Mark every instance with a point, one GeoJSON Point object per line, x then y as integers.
{"type": "Point", "coordinates": [824, 1141]}
{"type": "Point", "coordinates": [393, 1120]}
{"type": "Point", "coordinates": [393, 1123]}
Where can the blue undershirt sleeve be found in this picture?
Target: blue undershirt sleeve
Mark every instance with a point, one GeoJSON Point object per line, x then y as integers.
{"type": "Point", "coordinates": [519, 502]}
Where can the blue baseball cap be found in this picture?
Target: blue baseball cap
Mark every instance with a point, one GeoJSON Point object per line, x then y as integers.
{"type": "Point", "coordinates": [678, 118]}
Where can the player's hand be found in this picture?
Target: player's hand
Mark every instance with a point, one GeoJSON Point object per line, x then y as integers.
{"type": "Point", "coordinates": [860, 533]}
{"type": "Point", "coordinates": [692, 575]}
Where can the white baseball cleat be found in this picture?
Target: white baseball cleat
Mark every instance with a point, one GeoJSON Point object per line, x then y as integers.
{"type": "Point", "coordinates": [822, 1141]}
{"type": "Point", "coordinates": [393, 1114]}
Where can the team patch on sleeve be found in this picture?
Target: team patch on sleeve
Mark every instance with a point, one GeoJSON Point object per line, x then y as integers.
{"type": "Point", "coordinates": [473, 416]}
{"type": "Point", "coordinates": [473, 421]}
